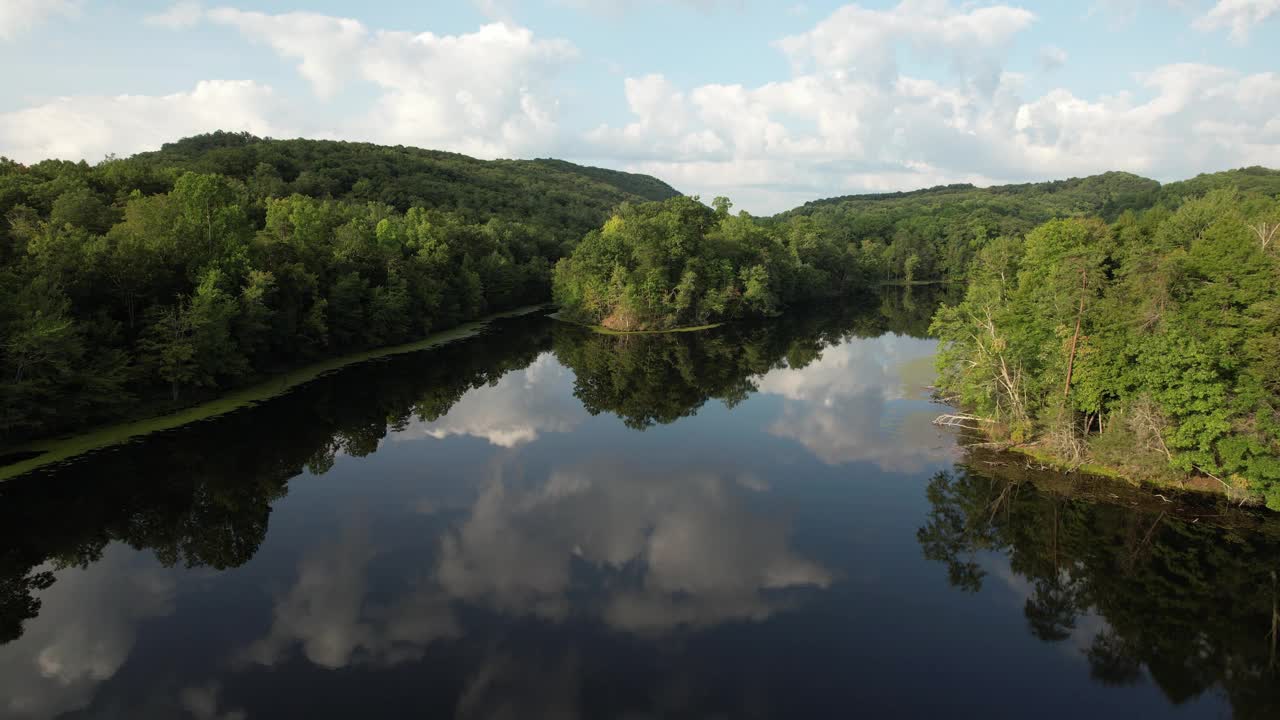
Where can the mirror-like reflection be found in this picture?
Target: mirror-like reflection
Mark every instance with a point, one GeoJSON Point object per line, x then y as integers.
{"type": "Point", "coordinates": [1124, 587]}
{"type": "Point", "coordinates": [542, 521]}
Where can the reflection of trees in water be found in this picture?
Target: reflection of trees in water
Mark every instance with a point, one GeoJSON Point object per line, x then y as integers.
{"type": "Point", "coordinates": [1190, 599]}
{"type": "Point", "coordinates": [660, 378]}
{"type": "Point", "coordinates": [201, 495]}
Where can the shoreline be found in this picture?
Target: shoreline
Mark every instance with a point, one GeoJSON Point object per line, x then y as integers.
{"type": "Point", "coordinates": [1195, 485]}
{"type": "Point", "coordinates": [39, 453]}
{"type": "Point", "coordinates": [602, 330]}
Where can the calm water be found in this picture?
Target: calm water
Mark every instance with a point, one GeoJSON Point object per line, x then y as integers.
{"type": "Point", "coordinates": [758, 521]}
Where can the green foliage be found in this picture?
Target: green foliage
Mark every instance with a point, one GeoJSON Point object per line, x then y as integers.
{"type": "Point", "coordinates": [679, 263]}
{"type": "Point", "coordinates": [165, 278]}
{"type": "Point", "coordinates": [1176, 348]}
{"type": "Point", "coordinates": [657, 378]}
{"type": "Point", "coordinates": [936, 233]}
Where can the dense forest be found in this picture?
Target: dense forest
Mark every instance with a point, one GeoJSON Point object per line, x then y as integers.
{"type": "Point", "coordinates": [1150, 345]}
{"type": "Point", "coordinates": [935, 234]}
{"type": "Point", "coordinates": [679, 263]}
{"type": "Point", "coordinates": [141, 283]}
{"type": "Point", "coordinates": [1103, 314]}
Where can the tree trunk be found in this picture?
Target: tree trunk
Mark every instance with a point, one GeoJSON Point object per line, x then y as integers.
{"type": "Point", "coordinates": [1071, 359]}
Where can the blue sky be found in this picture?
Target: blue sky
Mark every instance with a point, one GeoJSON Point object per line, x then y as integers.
{"type": "Point", "coordinates": [770, 103]}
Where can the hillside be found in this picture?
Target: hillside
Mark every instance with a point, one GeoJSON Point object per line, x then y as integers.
{"type": "Point", "coordinates": [1257, 180]}
{"type": "Point", "coordinates": [145, 283]}
{"type": "Point", "coordinates": [935, 233]}
{"type": "Point", "coordinates": [548, 193]}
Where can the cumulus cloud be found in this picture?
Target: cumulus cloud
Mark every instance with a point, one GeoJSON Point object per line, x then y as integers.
{"type": "Point", "coordinates": [324, 46]}
{"type": "Point", "coordinates": [486, 93]}
{"type": "Point", "coordinates": [90, 127]}
{"type": "Point", "coordinates": [859, 40]}
{"type": "Point", "coordinates": [849, 119]}
{"type": "Point", "coordinates": [20, 16]}
{"type": "Point", "coordinates": [1239, 16]}
{"type": "Point", "coordinates": [483, 93]}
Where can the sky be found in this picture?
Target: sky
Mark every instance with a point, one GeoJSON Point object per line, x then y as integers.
{"type": "Point", "coordinates": [771, 103]}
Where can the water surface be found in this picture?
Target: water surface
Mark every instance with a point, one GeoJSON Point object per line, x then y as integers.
{"type": "Point", "coordinates": [755, 521]}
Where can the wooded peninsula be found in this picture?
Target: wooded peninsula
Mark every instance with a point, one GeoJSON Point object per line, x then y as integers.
{"type": "Point", "coordinates": [1109, 320]}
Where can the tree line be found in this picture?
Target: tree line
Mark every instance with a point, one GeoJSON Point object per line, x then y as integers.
{"type": "Point", "coordinates": [680, 263]}
{"type": "Point", "coordinates": [1150, 344]}
{"type": "Point", "coordinates": [138, 284]}
{"type": "Point", "coordinates": [935, 234]}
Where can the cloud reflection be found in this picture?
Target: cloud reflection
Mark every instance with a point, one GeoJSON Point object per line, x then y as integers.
{"type": "Point", "coordinates": [640, 548]}
{"type": "Point", "coordinates": [327, 614]}
{"type": "Point", "coordinates": [848, 406]}
{"type": "Point", "coordinates": [675, 549]}
{"type": "Point", "coordinates": [514, 411]}
{"type": "Point", "coordinates": [85, 631]}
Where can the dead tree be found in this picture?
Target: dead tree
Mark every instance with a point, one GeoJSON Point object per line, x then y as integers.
{"type": "Point", "coordinates": [1266, 232]}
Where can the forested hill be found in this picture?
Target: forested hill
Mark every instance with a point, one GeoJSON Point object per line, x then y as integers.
{"type": "Point", "coordinates": [138, 284]}
{"type": "Point", "coordinates": [1106, 194]}
{"type": "Point", "coordinates": [553, 194]}
{"type": "Point", "coordinates": [942, 227]}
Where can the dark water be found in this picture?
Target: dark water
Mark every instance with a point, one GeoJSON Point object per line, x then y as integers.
{"type": "Point", "coordinates": [758, 521]}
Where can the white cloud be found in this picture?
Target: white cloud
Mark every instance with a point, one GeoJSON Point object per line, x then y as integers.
{"type": "Point", "coordinates": [90, 127]}
{"type": "Point", "coordinates": [857, 40]}
{"type": "Point", "coordinates": [20, 16]}
{"type": "Point", "coordinates": [483, 93]}
{"type": "Point", "coordinates": [849, 119]}
{"type": "Point", "coordinates": [180, 15]}
{"type": "Point", "coordinates": [1241, 16]}
{"type": "Point", "coordinates": [324, 46]}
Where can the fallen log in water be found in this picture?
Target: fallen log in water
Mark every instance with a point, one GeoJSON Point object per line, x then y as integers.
{"type": "Point", "coordinates": [960, 421]}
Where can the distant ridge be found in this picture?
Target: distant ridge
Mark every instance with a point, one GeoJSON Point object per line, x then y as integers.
{"type": "Point", "coordinates": [1107, 194]}
{"type": "Point", "coordinates": [550, 193]}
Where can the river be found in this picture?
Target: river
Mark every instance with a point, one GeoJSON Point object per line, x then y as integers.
{"type": "Point", "coordinates": [754, 521]}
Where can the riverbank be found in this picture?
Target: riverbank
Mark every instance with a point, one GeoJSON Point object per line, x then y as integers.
{"type": "Point", "coordinates": [33, 455]}
{"type": "Point", "coordinates": [602, 330]}
{"type": "Point", "coordinates": [1196, 484]}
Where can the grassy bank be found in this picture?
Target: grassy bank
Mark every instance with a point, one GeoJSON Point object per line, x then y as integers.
{"type": "Point", "coordinates": [45, 452]}
{"type": "Point", "coordinates": [1198, 484]}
